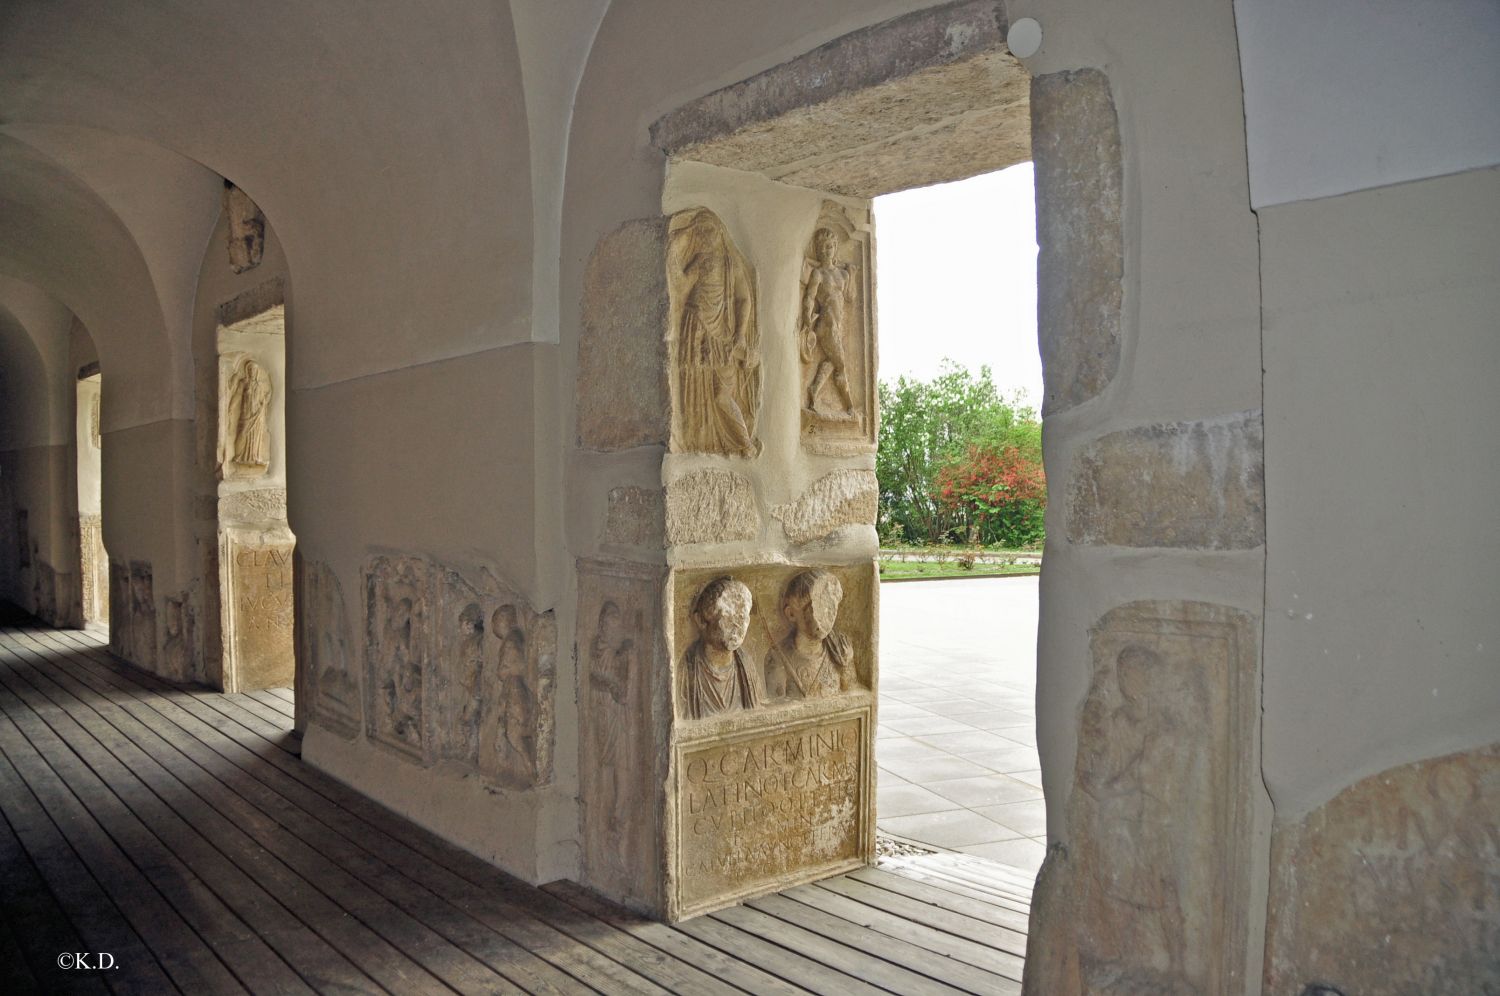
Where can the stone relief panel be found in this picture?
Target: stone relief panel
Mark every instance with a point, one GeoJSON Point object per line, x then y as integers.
{"type": "Point", "coordinates": [1149, 891]}
{"type": "Point", "coordinates": [833, 501]}
{"type": "Point", "coordinates": [245, 417]}
{"type": "Point", "coordinates": [635, 517]}
{"type": "Point", "coordinates": [459, 669]}
{"type": "Point", "coordinates": [622, 346]}
{"type": "Point", "coordinates": [325, 649]}
{"type": "Point", "coordinates": [95, 567]}
{"type": "Point", "coordinates": [619, 743]}
{"type": "Point", "coordinates": [1081, 247]}
{"type": "Point", "coordinates": [247, 229]}
{"type": "Point", "coordinates": [262, 506]}
{"type": "Point", "coordinates": [711, 506]}
{"type": "Point", "coordinates": [257, 608]}
{"type": "Point", "coordinates": [770, 635]}
{"type": "Point", "coordinates": [715, 341]}
{"type": "Point", "coordinates": [132, 617]}
{"type": "Point", "coordinates": [179, 648]}
{"type": "Point", "coordinates": [95, 436]}
{"type": "Point", "coordinates": [834, 341]}
{"type": "Point", "coordinates": [1191, 485]}
{"type": "Point", "coordinates": [1392, 886]}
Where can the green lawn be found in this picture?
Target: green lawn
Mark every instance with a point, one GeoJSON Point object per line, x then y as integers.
{"type": "Point", "coordinates": [897, 570]}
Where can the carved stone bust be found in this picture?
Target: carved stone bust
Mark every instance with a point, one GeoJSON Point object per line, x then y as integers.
{"type": "Point", "coordinates": [814, 660]}
{"type": "Point", "coordinates": [715, 676]}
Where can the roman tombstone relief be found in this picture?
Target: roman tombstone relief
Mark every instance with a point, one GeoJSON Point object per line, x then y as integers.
{"type": "Point", "coordinates": [619, 752]}
{"type": "Point", "coordinates": [256, 609]}
{"type": "Point", "coordinates": [247, 229]}
{"type": "Point", "coordinates": [833, 332]}
{"type": "Point", "coordinates": [517, 733]}
{"type": "Point", "coordinates": [772, 751]}
{"type": "Point", "coordinates": [94, 565]}
{"type": "Point", "coordinates": [397, 639]}
{"type": "Point", "coordinates": [715, 342]}
{"type": "Point", "coordinates": [324, 647]}
{"type": "Point", "coordinates": [244, 421]}
{"type": "Point", "coordinates": [132, 624]}
{"type": "Point", "coordinates": [1148, 890]}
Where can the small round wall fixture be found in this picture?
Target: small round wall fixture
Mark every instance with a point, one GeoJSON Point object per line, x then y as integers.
{"type": "Point", "coordinates": [1024, 38]}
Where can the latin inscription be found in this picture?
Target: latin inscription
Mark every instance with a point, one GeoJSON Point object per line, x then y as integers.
{"type": "Point", "coordinates": [753, 811]}
{"type": "Point", "coordinates": [262, 629]}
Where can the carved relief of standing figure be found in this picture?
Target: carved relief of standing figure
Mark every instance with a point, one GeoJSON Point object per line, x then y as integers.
{"type": "Point", "coordinates": [612, 662]}
{"type": "Point", "coordinates": [713, 306]}
{"type": "Point", "coordinates": [715, 676]}
{"type": "Point", "coordinates": [827, 296]}
{"type": "Point", "coordinates": [516, 744]}
{"type": "Point", "coordinates": [247, 431]}
{"type": "Point", "coordinates": [814, 660]}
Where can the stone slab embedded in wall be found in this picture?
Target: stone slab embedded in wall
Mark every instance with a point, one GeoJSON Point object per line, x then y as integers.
{"type": "Point", "coordinates": [1147, 890]}
{"type": "Point", "coordinates": [711, 506]}
{"type": "Point", "coordinates": [95, 569]}
{"type": "Point", "coordinates": [245, 391]}
{"type": "Point", "coordinates": [635, 517]}
{"type": "Point", "coordinates": [835, 341]}
{"type": "Point", "coordinates": [622, 350]}
{"type": "Point", "coordinates": [714, 337]}
{"type": "Point", "coordinates": [1080, 262]}
{"type": "Point", "coordinates": [459, 669]}
{"type": "Point", "coordinates": [180, 653]}
{"type": "Point", "coordinates": [257, 609]}
{"type": "Point", "coordinates": [833, 501]}
{"type": "Point", "coordinates": [263, 506]}
{"type": "Point", "coordinates": [923, 98]}
{"type": "Point", "coordinates": [325, 650]}
{"type": "Point", "coordinates": [622, 729]}
{"type": "Point", "coordinates": [247, 229]}
{"type": "Point", "coordinates": [132, 616]}
{"type": "Point", "coordinates": [1188, 485]}
{"type": "Point", "coordinates": [1393, 886]}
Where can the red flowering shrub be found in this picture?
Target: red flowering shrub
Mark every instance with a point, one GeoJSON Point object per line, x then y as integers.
{"type": "Point", "coordinates": [995, 495]}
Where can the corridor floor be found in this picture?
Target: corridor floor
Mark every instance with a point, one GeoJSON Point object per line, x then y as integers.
{"type": "Point", "coordinates": [956, 745]}
{"type": "Point", "coordinates": [173, 834]}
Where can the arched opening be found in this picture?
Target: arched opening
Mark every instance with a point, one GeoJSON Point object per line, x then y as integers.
{"type": "Point", "coordinates": [93, 560]}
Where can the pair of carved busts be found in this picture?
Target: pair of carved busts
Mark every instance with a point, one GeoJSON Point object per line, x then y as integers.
{"type": "Point", "coordinates": [814, 660]}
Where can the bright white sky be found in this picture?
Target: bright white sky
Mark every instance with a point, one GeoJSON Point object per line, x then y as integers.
{"type": "Point", "coordinates": [956, 277]}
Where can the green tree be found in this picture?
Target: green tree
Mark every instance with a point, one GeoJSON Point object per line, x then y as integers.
{"type": "Point", "coordinates": [926, 426]}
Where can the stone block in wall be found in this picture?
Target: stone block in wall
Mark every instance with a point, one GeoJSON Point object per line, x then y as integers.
{"type": "Point", "coordinates": [833, 501]}
{"type": "Point", "coordinates": [459, 670]}
{"type": "Point", "coordinates": [772, 751]}
{"type": "Point", "coordinates": [622, 351]}
{"type": "Point", "coordinates": [624, 717]}
{"type": "Point", "coordinates": [325, 650]}
{"type": "Point", "coordinates": [132, 617]}
{"type": "Point", "coordinates": [635, 517]}
{"type": "Point", "coordinates": [1393, 885]}
{"type": "Point", "coordinates": [711, 506]}
{"type": "Point", "coordinates": [1147, 890]}
{"type": "Point", "coordinates": [95, 569]}
{"type": "Point", "coordinates": [257, 608]}
{"type": "Point", "coordinates": [1187, 485]}
{"type": "Point", "coordinates": [1075, 138]}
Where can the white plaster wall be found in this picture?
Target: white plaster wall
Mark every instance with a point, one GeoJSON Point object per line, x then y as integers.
{"type": "Point", "coordinates": [1382, 466]}
{"type": "Point", "coordinates": [1343, 95]}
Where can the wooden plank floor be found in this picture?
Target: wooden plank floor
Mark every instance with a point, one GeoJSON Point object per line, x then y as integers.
{"type": "Point", "coordinates": [176, 832]}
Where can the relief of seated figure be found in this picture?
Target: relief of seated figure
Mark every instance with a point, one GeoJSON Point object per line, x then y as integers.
{"type": "Point", "coordinates": [814, 660]}
{"type": "Point", "coordinates": [715, 676]}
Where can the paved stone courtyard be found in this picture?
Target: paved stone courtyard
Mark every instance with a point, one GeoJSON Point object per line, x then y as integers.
{"type": "Point", "coordinates": [956, 746]}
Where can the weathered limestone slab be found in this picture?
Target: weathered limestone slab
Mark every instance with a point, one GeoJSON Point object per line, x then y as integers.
{"type": "Point", "coordinates": [132, 619]}
{"type": "Point", "coordinates": [622, 350]}
{"type": "Point", "coordinates": [635, 517]}
{"type": "Point", "coordinates": [95, 568]}
{"type": "Point", "coordinates": [460, 670]}
{"type": "Point", "coordinates": [180, 652]}
{"type": "Point", "coordinates": [714, 338]}
{"type": "Point", "coordinates": [261, 506]}
{"type": "Point", "coordinates": [1148, 889]}
{"type": "Point", "coordinates": [1393, 886]}
{"type": "Point", "coordinates": [245, 393]}
{"type": "Point", "coordinates": [624, 709]}
{"type": "Point", "coordinates": [325, 650]}
{"type": "Point", "coordinates": [835, 334]}
{"type": "Point", "coordinates": [1081, 260]}
{"type": "Point", "coordinates": [842, 498]}
{"type": "Point", "coordinates": [1195, 485]}
{"type": "Point", "coordinates": [247, 229]}
{"type": "Point", "coordinates": [711, 506]}
{"type": "Point", "coordinates": [256, 607]}
{"type": "Point", "coordinates": [923, 98]}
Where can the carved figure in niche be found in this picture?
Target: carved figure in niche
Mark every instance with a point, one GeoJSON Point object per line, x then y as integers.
{"type": "Point", "coordinates": [712, 290]}
{"type": "Point", "coordinates": [515, 746]}
{"type": "Point", "coordinates": [827, 296]}
{"type": "Point", "coordinates": [814, 660]}
{"type": "Point", "coordinates": [247, 429]}
{"type": "Point", "coordinates": [401, 688]}
{"type": "Point", "coordinates": [247, 229]}
{"type": "Point", "coordinates": [612, 664]}
{"type": "Point", "coordinates": [715, 676]}
{"type": "Point", "coordinates": [1129, 767]}
{"type": "Point", "coordinates": [470, 680]}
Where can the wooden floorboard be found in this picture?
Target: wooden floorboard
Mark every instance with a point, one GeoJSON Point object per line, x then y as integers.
{"type": "Point", "coordinates": [178, 830]}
